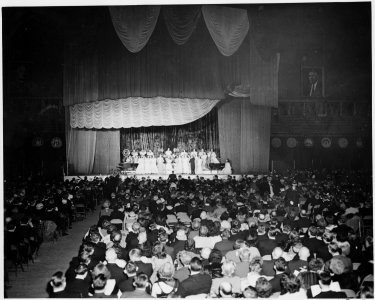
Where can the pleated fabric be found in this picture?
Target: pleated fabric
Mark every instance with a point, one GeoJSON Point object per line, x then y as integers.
{"type": "Point", "coordinates": [134, 24]}
{"type": "Point", "coordinates": [181, 21]}
{"type": "Point", "coordinates": [228, 27]}
{"type": "Point", "coordinates": [139, 112]}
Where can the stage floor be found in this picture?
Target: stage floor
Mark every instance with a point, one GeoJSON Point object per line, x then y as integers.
{"type": "Point", "coordinates": [154, 176]}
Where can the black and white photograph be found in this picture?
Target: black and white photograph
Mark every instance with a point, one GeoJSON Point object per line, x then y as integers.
{"type": "Point", "coordinates": [187, 150]}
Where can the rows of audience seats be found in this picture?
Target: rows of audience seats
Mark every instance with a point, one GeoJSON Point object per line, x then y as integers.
{"type": "Point", "coordinates": [298, 235]}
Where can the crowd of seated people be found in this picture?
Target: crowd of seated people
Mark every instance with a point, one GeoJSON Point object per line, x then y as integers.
{"type": "Point", "coordinates": [297, 236]}
{"type": "Point", "coordinates": [37, 210]}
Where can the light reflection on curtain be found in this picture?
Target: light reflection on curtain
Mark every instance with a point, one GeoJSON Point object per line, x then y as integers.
{"type": "Point", "coordinates": [228, 27]}
{"type": "Point", "coordinates": [134, 24]}
{"type": "Point", "coordinates": [202, 133]}
{"type": "Point", "coordinates": [181, 21]}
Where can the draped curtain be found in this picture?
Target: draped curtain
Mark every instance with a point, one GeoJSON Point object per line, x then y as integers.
{"type": "Point", "coordinates": [228, 27]}
{"type": "Point", "coordinates": [91, 151]}
{"type": "Point", "coordinates": [245, 126]}
{"type": "Point", "coordinates": [181, 21]}
{"type": "Point", "coordinates": [202, 133]}
{"type": "Point", "coordinates": [107, 154]}
{"type": "Point", "coordinates": [244, 135]}
{"type": "Point", "coordinates": [134, 24]}
{"type": "Point", "coordinates": [195, 69]}
{"type": "Point", "coordinates": [138, 112]}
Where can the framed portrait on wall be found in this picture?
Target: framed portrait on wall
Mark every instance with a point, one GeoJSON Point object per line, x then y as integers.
{"type": "Point", "coordinates": [312, 82]}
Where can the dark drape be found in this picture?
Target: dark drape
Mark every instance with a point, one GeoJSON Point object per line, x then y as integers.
{"type": "Point", "coordinates": [202, 133]}
{"type": "Point", "coordinates": [244, 135]}
{"type": "Point", "coordinates": [105, 69]}
{"type": "Point", "coordinates": [91, 151]}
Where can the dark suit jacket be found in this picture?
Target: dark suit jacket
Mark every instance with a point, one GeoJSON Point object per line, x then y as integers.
{"type": "Point", "coordinates": [266, 246]}
{"type": "Point", "coordinates": [296, 265]}
{"type": "Point", "coordinates": [126, 285]}
{"type": "Point", "coordinates": [267, 268]}
{"type": "Point", "coordinates": [313, 244]}
{"type": "Point", "coordinates": [281, 238]}
{"type": "Point", "coordinates": [172, 177]}
{"type": "Point", "coordinates": [275, 282]}
{"type": "Point", "coordinates": [176, 247]}
{"type": "Point", "coordinates": [78, 288]}
{"type": "Point", "coordinates": [144, 268]}
{"type": "Point", "coordinates": [99, 251]}
{"type": "Point", "coordinates": [136, 294]}
{"type": "Point", "coordinates": [327, 295]}
{"type": "Point", "coordinates": [224, 246]}
{"type": "Point", "coordinates": [323, 253]}
{"type": "Point", "coordinates": [195, 284]}
{"type": "Point", "coordinates": [117, 273]}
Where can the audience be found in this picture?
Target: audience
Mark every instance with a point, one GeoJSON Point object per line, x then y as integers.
{"type": "Point", "coordinates": [199, 237]}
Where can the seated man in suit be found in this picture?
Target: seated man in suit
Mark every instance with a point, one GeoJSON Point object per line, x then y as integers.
{"type": "Point", "coordinates": [135, 256]}
{"type": "Point", "coordinates": [197, 282]}
{"type": "Point", "coordinates": [267, 268]}
{"type": "Point", "coordinates": [326, 288]}
{"type": "Point", "coordinates": [280, 269]}
{"type": "Point", "coordinates": [141, 282]}
{"type": "Point", "coordinates": [266, 246]}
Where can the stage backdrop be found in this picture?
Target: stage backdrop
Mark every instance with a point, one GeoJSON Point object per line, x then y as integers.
{"type": "Point", "coordinates": [202, 133]}
{"type": "Point", "coordinates": [99, 67]}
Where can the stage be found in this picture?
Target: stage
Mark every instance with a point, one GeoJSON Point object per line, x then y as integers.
{"type": "Point", "coordinates": [155, 176]}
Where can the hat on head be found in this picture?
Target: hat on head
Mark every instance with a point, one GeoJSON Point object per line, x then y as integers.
{"type": "Point", "coordinates": [181, 235]}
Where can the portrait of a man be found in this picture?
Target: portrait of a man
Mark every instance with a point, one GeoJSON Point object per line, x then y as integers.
{"type": "Point", "coordinates": [312, 79]}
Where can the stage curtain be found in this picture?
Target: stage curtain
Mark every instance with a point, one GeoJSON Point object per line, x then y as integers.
{"type": "Point", "coordinates": [134, 24]}
{"type": "Point", "coordinates": [263, 77]}
{"type": "Point", "coordinates": [181, 21]}
{"type": "Point", "coordinates": [162, 68]}
{"type": "Point", "coordinates": [81, 151]}
{"type": "Point", "coordinates": [199, 134]}
{"type": "Point", "coordinates": [229, 124]}
{"type": "Point", "coordinates": [255, 137]}
{"type": "Point", "coordinates": [107, 148]}
{"type": "Point", "coordinates": [244, 135]}
{"type": "Point", "coordinates": [138, 112]}
{"type": "Point", "coordinates": [228, 27]}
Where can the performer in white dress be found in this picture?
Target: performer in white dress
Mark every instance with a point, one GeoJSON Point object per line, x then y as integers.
{"type": "Point", "coordinates": [153, 167]}
{"type": "Point", "coordinates": [204, 162]}
{"type": "Point", "coordinates": [198, 165]}
{"type": "Point", "coordinates": [168, 165]}
{"type": "Point", "coordinates": [214, 160]}
{"type": "Point", "coordinates": [160, 164]}
{"type": "Point", "coordinates": [185, 163]}
{"type": "Point", "coordinates": [168, 153]}
{"type": "Point", "coordinates": [227, 168]}
{"type": "Point", "coordinates": [178, 164]}
{"type": "Point", "coordinates": [141, 165]}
